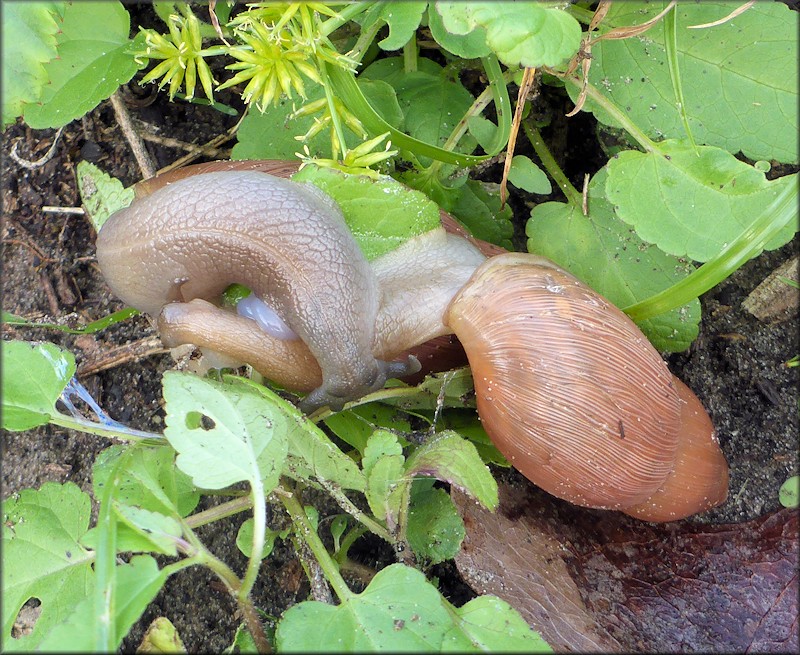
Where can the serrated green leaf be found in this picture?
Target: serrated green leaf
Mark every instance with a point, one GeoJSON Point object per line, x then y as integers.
{"type": "Point", "coordinates": [740, 79]}
{"type": "Point", "coordinates": [607, 254]}
{"type": "Point", "coordinates": [526, 34]}
{"type": "Point", "coordinates": [398, 611]}
{"type": "Point", "coordinates": [457, 392]}
{"type": "Point", "coordinates": [28, 42]}
{"type": "Point", "coordinates": [492, 625]}
{"type": "Point", "coordinates": [689, 204]}
{"type": "Point", "coordinates": [92, 63]}
{"type": "Point", "coordinates": [380, 444]}
{"type": "Point", "coordinates": [247, 441]}
{"type": "Point", "coordinates": [468, 424]}
{"type": "Point", "coordinates": [528, 176]}
{"type": "Point", "coordinates": [311, 452]}
{"type": "Point", "coordinates": [149, 480]}
{"type": "Point", "coordinates": [101, 194]}
{"type": "Point", "coordinates": [381, 214]}
{"type": "Point", "coordinates": [386, 486]}
{"type": "Point", "coordinates": [453, 459]}
{"type": "Point", "coordinates": [136, 584]}
{"type": "Point", "coordinates": [43, 559]}
{"type": "Point", "coordinates": [435, 529]}
{"type": "Point", "coordinates": [33, 377]}
{"type": "Point", "coordinates": [468, 46]}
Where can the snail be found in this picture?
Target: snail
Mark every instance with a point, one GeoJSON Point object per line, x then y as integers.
{"type": "Point", "coordinates": [567, 387]}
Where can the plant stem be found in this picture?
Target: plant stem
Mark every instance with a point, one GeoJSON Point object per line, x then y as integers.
{"type": "Point", "coordinates": [259, 530]}
{"type": "Point", "coordinates": [549, 162]}
{"type": "Point", "coordinates": [347, 505]}
{"type": "Point", "coordinates": [306, 531]}
{"type": "Point", "coordinates": [219, 512]}
{"type": "Point", "coordinates": [337, 123]}
{"type": "Point", "coordinates": [91, 427]}
{"type": "Point", "coordinates": [615, 112]}
{"type": "Point", "coordinates": [348, 13]}
{"type": "Point", "coordinates": [410, 55]}
{"type": "Point", "coordinates": [746, 246]}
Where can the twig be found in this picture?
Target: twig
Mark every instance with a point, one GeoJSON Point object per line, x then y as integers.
{"type": "Point", "coordinates": [528, 77]}
{"type": "Point", "coordinates": [78, 211]}
{"type": "Point", "coordinates": [216, 141]}
{"type": "Point", "coordinates": [31, 165]}
{"type": "Point", "coordinates": [130, 352]}
{"type": "Point", "coordinates": [146, 165]}
{"type": "Point", "coordinates": [183, 145]}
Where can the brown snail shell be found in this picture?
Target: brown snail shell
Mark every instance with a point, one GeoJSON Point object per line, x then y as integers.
{"type": "Point", "coordinates": [567, 386]}
{"type": "Point", "coordinates": [699, 480]}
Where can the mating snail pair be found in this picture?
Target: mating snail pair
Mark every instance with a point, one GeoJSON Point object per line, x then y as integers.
{"type": "Point", "coordinates": [567, 387]}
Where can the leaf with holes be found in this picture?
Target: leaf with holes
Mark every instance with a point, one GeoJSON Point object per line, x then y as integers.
{"type": "Point", "coordinates": [42, 557]}
{"type": "Point", "coordinates": [224, 434]}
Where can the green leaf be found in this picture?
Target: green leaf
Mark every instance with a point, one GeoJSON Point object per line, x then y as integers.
{"type": "Point", "coordinates": [136, 583]}
{"type": "Point", "coordinates": [381, 214]}
{"type": "Point", "coordinates": [477, 206]}
{"type": "Point", "coordinates": [398, 611]}
{"type": "Point", "coordinates": [528, 176]}
{"type": "Point", "coordinates": [468, 46]}
{"type": "Point", "coordinates": [789, 493]}
{"type": "Point", "coordinates": [383, 466]}
{"type": "Point", "coordinates": [271, 135]}
{"type": "Point", "coordinates": [403, 19]}
{"type": "Point", "coordinates": [244, 539]}
{"type": "Point", "coordinates": [453, 459]}
{"type": "Point", "coordinates": [468, 425]}
{"type": "Point", "coordinates": [89, 328]}
{"type": "Point", "coordinates": [149, 480]}
{"type": "Point", "coordinates": [161, 532]}
{"type": "Point", "coordinates": [740, 79]}
{"type": "Point", "coordinates": [224, 434]}
{"type": "Point", "coordinates": [435, 529]}
{"type": "Point", "coordinates": [101, 194]}
{"type": "Point", "coordinates": [28, 42]}
{"type": "Point", "coordinates": [162, 637]}
{"type": "Point", "coordinates": [431, 102]}
{"type": "Point", "coordinates": [311, 452]}
{"type": "Point", "coordinates": [33, 377]}
{"type": "Point", "coordinates": [92, 63]}
{"type": "Point", "coordinates": [354, 426]}
{"type": "Point", "coordinates": [527, 34]}
{"type": "Point", "coordinates": [492, 625]}
{"type": "Point", "coordinates": [457, 385]}
{"type": "Point", "coordinates": [381, 444]}
{"type": "Point", "coordinates": [606, 254]}
{"type": "Point", "coordinates": [43, 559]}
{"type": "Point", "coordinates": [688, 204]}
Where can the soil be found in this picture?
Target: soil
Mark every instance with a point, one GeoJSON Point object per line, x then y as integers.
{"type": "Point", "coordinates": [737, 367]}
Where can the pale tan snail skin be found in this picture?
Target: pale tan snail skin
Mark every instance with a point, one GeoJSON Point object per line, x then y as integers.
{"type": "Point", "coordinates": [567, 387]}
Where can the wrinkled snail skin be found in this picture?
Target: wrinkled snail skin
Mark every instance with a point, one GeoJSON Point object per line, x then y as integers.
{"type": "Point", "coordinates": [567, 387]}
{"type": "Point", "coordinates": [288, 243]}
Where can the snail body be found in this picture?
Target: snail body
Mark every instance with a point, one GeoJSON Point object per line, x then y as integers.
{"type": "Point", "coordinates": [288, 243]}
{"type": "Point", "coordinates": [567, 386]}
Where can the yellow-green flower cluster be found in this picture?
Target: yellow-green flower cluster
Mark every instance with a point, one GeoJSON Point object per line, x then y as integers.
{"type": "Point", "coordinates": [356, 161]}
{"type": "Point", "coordinates": [182, 54]}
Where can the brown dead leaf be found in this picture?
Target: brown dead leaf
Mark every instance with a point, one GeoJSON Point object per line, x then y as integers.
{"type": "Point", "coordinates": [600, 581]}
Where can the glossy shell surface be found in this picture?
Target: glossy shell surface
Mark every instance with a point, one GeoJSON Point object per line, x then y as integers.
{"type": "Point", "coordinates": [567, 386]}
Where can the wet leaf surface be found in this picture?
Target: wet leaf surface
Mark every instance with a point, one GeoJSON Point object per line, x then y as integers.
{"type": "Point", "coordinates": [599, 581]}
